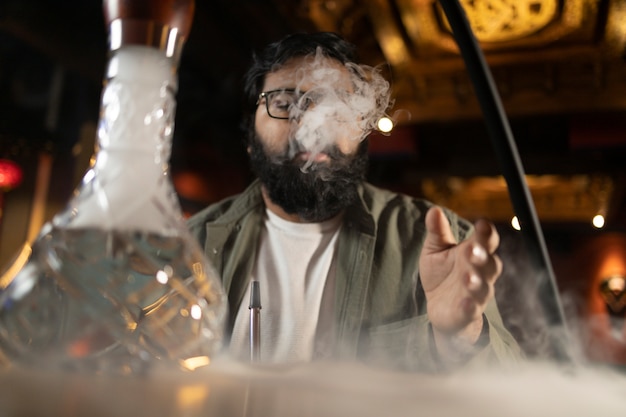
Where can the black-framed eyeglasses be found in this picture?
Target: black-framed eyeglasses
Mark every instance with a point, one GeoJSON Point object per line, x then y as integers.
{"type": "Point", "coordinates": [280, 102]}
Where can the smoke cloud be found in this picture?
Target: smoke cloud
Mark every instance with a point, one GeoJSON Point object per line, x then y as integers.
{"type": "Point", "coordinates": [328, 113]}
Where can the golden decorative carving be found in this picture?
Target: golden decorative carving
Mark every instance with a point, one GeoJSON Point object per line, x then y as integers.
{"type": "Point", "coordinates": [556, 197]}
{"type": "Point", "coordinates": [505, 20]}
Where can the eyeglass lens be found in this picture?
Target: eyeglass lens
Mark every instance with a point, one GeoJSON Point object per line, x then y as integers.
{"type": "Point", "coordinates": [280, 102]}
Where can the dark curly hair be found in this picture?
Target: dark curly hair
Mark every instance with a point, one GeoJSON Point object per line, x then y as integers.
{"type": "Point", "coordinates": [278, 53]}
{"type": "Point", "coordinates": [291, 46]}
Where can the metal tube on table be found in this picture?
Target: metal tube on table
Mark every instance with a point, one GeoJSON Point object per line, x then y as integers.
{"type": "Point", "coordinates": [255, 322]}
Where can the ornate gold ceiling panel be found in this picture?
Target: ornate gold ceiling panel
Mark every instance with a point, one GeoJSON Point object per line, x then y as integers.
{"type": "Point", "coordinates": [506, 24]}
{"type": "Point", "coordinates": [508, 20]}
{"type": "Point", "coordinates": [546, 56]}
{"type": "Point", "coordinates": [499, 25]}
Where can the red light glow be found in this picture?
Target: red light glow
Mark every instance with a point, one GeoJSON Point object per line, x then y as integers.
{"type": "Point", "coordinates": [10, 175]}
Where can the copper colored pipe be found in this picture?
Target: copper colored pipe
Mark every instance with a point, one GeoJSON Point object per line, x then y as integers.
{"type": "Point", "coordinates": [148, 22]}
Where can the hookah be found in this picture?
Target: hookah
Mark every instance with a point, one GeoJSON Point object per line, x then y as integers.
{"type": "Point", "coordinates": [115, 283]}
{"type": "Point", "coordinates": [510, 163]}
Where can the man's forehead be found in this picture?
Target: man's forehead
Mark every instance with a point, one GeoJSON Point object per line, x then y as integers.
{"type": "Point", "coordinates": [309, 72]}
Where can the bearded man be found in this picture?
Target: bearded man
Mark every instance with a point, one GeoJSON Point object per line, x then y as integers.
{"type": "Point", "coordinates": [346, 270]}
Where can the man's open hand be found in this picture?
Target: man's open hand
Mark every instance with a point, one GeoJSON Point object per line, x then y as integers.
{"type": "Point", "coordinates": [458, 278]}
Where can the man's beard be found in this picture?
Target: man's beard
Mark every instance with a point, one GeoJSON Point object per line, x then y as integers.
{"type": "Point", "coordinates": [316, 193]}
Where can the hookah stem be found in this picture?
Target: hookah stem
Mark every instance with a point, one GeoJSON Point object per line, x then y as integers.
{"type": "Point", "coordinates": [513, 172]}
{"type": "Point", "coordinates": [163, 24]}
{"type": "Point", "coordinates": [255, 322]}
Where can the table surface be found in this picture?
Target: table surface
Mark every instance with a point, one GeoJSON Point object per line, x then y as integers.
{"type": "Point", "coordinates": [318, 389]}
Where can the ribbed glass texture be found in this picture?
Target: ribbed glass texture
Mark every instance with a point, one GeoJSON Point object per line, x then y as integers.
{"type": "Point", "coordinates": [115, 283]}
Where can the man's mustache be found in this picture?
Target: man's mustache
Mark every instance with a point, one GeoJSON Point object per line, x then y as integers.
{"type": "Point", "coordinates": [295, 150]}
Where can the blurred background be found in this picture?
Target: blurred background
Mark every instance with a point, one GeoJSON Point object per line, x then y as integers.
{"type": "Point", "coordinates": [559, 66]}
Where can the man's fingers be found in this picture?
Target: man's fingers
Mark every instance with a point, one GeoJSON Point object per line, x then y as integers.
{"type": "Point", "coordinates": [439, 236]}
{"type": "Point", "coordinates": [484, 270]}
{"type": "Point", "coordinates": [479, 289]}
{"type": "Point", "coordinates": [484, 265]}
{"type": "Point", "coordinates": [487, 235]}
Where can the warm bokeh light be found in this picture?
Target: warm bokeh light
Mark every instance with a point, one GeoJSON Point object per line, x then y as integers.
{"type": "Point", "coordinates": [515, 223]}
{"type": "Point", "coordinates": [195, 362]}
{"type": "Point", "coordinates": [385, 124]}
{"type": "Point", "coordinates": [616, 283]}
{"type": "Point", "coordinates": [196, 312]}
{"type": "Point", "coordinates": [161, 277]}
{"type": "Point", "coordinates": [598, 221]}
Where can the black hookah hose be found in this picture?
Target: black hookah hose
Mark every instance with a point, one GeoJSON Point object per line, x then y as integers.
{"type": "Point", "coordinates": [513, 172]}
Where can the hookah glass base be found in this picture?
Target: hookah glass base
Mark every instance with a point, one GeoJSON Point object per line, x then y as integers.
{"type": "Point", "coordinates": [147, 297]}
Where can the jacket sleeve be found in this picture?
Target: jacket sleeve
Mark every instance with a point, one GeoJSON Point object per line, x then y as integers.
{"type": "Point", "coordinates": [408, 345]}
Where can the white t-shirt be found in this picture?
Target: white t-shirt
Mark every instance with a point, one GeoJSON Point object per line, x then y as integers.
{"type": "Point", "coordinates": [295, 271]}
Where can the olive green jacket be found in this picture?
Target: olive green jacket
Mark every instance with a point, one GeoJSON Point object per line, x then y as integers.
{"type": "Point", "coordinates": [380, 307]}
